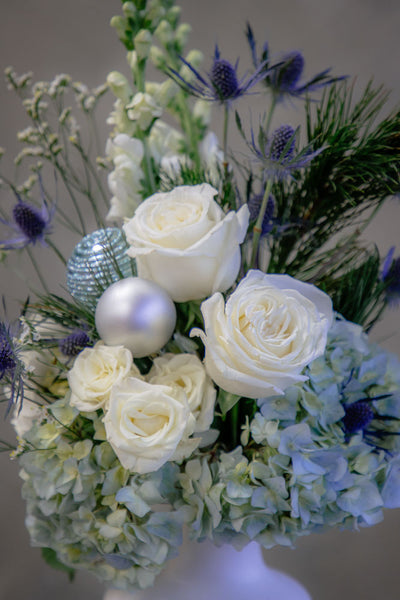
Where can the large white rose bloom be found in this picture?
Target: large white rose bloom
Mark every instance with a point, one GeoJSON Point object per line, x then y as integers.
{"type": "Point", "coordinates": [271, 327]}
{"type": "Point", "coordinates": [148, 424]}
{"type": "Point", "coordinates": [94, 373]}
{"type": "Point", "coordinates": [186, 372]}
{"type": "Point", "coordinates": [184, 241]}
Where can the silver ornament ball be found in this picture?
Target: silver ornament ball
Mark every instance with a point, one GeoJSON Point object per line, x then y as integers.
{"type": "Point", "coordinates": [97, 261]}
{"type": "Point", "coordinates": [135, 313]}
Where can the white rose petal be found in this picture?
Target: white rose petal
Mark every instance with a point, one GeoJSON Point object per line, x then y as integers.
{"type": "Point", "coordinates": [271, 327]}
{"type": "Point", "coordinates": [94, 373]}
{"type": "Point", "coordinates": [148, 424]}
{"type": "Point", "coordinates": [183, 241]}
{"type": "Point", "coordinates": [186, 372]}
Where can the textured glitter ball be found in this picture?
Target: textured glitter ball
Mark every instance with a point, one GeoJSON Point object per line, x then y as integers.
{"type": "Point", "coordinates": [97, 261]}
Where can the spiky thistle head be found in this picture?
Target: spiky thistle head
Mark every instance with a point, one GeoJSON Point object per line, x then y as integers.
{"type": "Point", "coordinates": [222, 83]}
{"type": "Point", "coordinates": [282, 144]}
{"type": "Point", "coordinates": [285, 80]}
{"type": "Point", "coordinates": [291, 71]}
{"type": "Point", "coordinates": [254, 204]}
{"type": "Point", "coordinates": [11, 366]}
{"type": "Point", "coordinates": [29, 220]}
{"type": "Point", "coordinates": [277, 152]}
{"type": "Point", "coordinates": [358, 416]}
{"type": "Point", "coordinates": [375, 419]}
{"type": "Point", "coordinates": [74, 343]}
{"type": "Point", "coordinates": [30, 223]}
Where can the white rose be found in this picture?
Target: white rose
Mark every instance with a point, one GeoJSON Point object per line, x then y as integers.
{"type": "Point", "coordinates": [143, 109]}
{"type": "Point", "coordinates": [186, 372]}
{"type": "Point", "coordinates": [125, 180]}
{"type": "Point", "coordinates": [94, 373]}
{"type": "Point", "coordinates": [271, 327]}
{"type": "Point", "coordinates": [184, 241]}
{"type": "Point", "coordinates": [148, 424]}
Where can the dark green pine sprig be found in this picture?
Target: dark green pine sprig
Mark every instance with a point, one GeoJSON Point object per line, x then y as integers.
{"type": "Point", "coordinates": [192, 175]}
{"type": "Point", "coordinates": [68, 315]}
{"type": "Point", "coordinates": [356, 288]}
{"type": "Point", "coordinates": [346, 183]}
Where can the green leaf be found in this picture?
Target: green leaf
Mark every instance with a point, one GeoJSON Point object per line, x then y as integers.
{"type": "Point", "coordinates": [50, 556]}
{"type": "Point", "coordinates": [227, 401]}
{"type": "Point", "coordinates": [239, 124]}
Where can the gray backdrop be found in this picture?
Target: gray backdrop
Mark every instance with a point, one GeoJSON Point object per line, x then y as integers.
{"type": "Point", "coordinates": [356, 37]}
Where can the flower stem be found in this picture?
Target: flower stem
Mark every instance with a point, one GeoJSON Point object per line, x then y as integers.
{"type": "Point", "coordinates": [271, 111]}
{"type": "Point", "coordinates": [57, 251]}
{"type": "Point", "coordinates": [234, 415]}
{"type": "Point", "coordinates": [187, 125]}
{"type": "Point", "coordinates": [148, 166]}
{"type": "Point", "coordinates": [257, 229]}
{"type": "Point", "coordinates": [37, 269]}
{"type": "Point", "coordinates": [225, 136]}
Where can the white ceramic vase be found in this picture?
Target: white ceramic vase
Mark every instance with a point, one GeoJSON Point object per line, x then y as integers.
{"type": "Point", "coordinates": [204, 572]}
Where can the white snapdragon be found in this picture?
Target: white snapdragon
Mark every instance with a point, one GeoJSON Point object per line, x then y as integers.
{"type": "Point", "coordinates": [125, 180]}
{"type": "Point", "coordinates": [119, 86]}
{"type": "Point", "coordinates": [142, 43]}
{"type": "Point", "coordinates": [143, 110]}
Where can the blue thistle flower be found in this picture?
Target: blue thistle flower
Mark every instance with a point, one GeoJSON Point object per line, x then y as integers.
{"type": "Point", "coordinates": [362, 416]}
{"type": "Point", "coordinates": [284, 79]}
{"type": "Point", "coordinates": [282, 144]}
{"type": "Point", "coordinates": [391, 277]}
{"type": "Point", "coordinates": [278, 153]}
{"type": "Point", "coordinates": [357, 416]}
{"type": "Point", "coordinates": [30, 223]}
{"type": "Point", "coordinates": [11, 367]}
{"type": "Point", "coordinates": [222, 83]}
{"type": "Point", "coordinates": [74, 343]}
{"type": "Point", "coordinates": [254, 205]}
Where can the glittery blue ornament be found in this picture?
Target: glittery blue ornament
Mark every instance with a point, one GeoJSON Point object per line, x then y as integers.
{"type": "Point", "coordinates": [97, 261]}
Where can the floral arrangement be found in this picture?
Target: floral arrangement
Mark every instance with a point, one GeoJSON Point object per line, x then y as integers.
{"type": "Point", "coordinates": [208, 365]}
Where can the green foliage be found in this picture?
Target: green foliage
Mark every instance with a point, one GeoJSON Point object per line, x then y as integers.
{"type": "Point", "coordinates": [67, 314]}
{"type": "Point", "coordinates": [50, 557]}
{"type": "Point", "coordinates": [357, 170]}
{"type": "Point", "coordinates": [358, 293]}
{"type": "Point", "coordinates": [188, 316]}
{"type": "Point", "coordinates": [227, 401]}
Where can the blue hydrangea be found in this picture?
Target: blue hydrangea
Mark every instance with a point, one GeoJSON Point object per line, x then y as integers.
{"type": "Point", "coordinates": [304, 465]}
{"type": "Point", "coordinates": [301, 469]}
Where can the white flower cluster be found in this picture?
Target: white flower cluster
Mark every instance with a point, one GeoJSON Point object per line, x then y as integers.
{"type": "Point", "coordinates": [148, 420]}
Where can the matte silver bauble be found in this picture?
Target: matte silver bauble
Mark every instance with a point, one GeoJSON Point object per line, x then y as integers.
{"type": "Point", "coordinates": [135, 313]}
{"type": "Point", "coordinates": [97, 261]}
